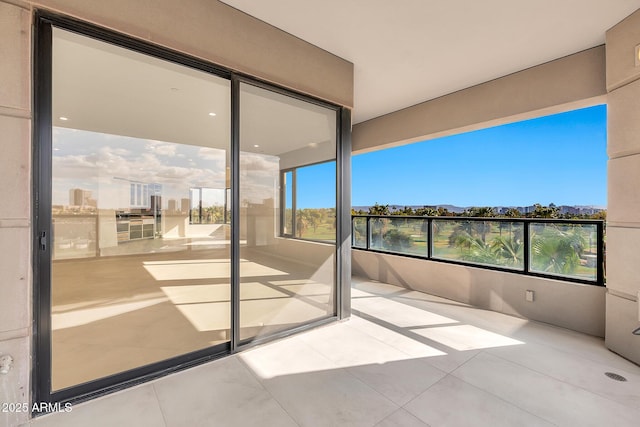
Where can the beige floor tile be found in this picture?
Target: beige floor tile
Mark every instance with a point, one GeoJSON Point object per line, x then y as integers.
{"type": "Point", "coordinates": [290, 356]}
{"type": "Point", "coordinates": [398, 314]}
{"type": "Point", "coordinates": [576, 370]}
{"type": "Point", "coordinates": [329, 398]}
{"type": "Point", "coordinates": [553, 400]}
{"type": "Point", "coordinates": [132, 407]}
{"type": "Point", "coordinates": [466, 337]}
{"type": "Point", "coordinates": [399, 381]}
{"type": "Point", "coordinates": [401, 418]}
{"type": "Point", "coordinates": [452, 360]}
{"type": "Point", "coordinates": [452, 402]}
{"type": "Point", "coordinates": [221, 393]}
{"type": "Point", "coordinates": [405, 341]}
{"type": "Point", "coordinates": [348, 347]}
{"type": "Point", "coordinates": [572, 342]}
{"type": "Point", "coordinates": [376, 288]}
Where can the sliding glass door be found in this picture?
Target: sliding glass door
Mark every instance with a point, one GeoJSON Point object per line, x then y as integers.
{"type": "Point", "coordinates": [181, 212]}
{"type": "Point", "coordinates": [285, 281]}
{"type": "Point", "coordinates": [140, 250]}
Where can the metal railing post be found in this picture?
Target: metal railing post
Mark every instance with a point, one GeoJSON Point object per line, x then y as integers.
{"type": "Point", "coordinates": [526, 228]}
{"type": "Point", "coordinates": [429, 238]}
{"type": "Point", "coordinates": [368, 229]}
{"type": "Point", "coordinates": [600, 258]}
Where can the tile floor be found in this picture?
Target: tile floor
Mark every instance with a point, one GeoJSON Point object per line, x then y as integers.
{"type": "Point", "coordinates": [404, 359]}
{"type": "Point", "coordinates": [111, 314]}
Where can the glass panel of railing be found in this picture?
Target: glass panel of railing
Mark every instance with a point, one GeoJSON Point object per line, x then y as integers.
{"type": "Point", "coordinates": [359, 232]}
{"type": "Point", "coordinates": [401, 235]}
{"type": "Point", "coordinates": [568, 250]}
{"type": "Point", "coordinates": [498, 243]}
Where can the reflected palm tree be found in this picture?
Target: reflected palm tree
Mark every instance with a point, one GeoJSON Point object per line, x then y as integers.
{"type": "Point", "coordinates": [503, 250]}
{"type": "Point", "coordinates": [474, 249]}
{"type": "Point", "coordinates": [557, 250]}
{"type": "Point", "coordinates": [508, 249]}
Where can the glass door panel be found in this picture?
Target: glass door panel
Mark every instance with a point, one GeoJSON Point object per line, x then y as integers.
{"type": "Point", "coordinates": [284, 281]}
{"type": "Point", "coordinates": [139, 274]}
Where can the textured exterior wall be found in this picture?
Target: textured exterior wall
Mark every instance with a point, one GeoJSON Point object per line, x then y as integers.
{"type": "Point", "coordinates": [15, 205]}
{"type": "Point", "coordinates": [568, 305]}
{"type": "Point", "coordinates": [623, 216]}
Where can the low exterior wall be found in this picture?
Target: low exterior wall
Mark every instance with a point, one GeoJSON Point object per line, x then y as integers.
{"type": "Point", "coordinates": [569, 305]}
{"type": "Point", "coordinates": [302, 251]}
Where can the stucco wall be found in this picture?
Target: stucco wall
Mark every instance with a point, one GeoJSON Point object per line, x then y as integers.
{"type": "Point", "coordinates": [15, 209]}
{"type": "Point", "coordinates": [569, 305]}
{"type": "Point", "coordinates": [623, 216]}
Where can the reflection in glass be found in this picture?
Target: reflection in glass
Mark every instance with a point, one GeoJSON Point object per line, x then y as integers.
{"type": "Point", "coordinates": [137, 276]}
{"type": "Point", "coordinates": [568, 250]}
{"type": "Point", "coordinates": [359, 232]}
{"type": "Point", "coordinates": [284, 281]}
{"type": "Point", "coordinates": [315, 202]}
{"type": "Point", "coordinates": [498, 243]}
{"type": "Point", "coordinates": [402, 235]}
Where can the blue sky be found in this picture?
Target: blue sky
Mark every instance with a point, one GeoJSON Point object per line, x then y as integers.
{"type": "Point", "coordinates": [316, 186]}
{"type": "Point", "coordinates": [557, 159]}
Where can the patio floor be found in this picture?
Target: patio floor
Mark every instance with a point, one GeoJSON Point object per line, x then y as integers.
{"type": "Point", "coordinates": [404, 359]}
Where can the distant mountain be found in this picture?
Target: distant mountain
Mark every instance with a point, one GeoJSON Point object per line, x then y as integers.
{"type": "Point", "coordinates": [450, 208]}
{"type": "Point", "coordinates": [498, 209]}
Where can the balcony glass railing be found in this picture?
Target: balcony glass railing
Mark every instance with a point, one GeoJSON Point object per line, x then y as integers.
{"type": "Point", "coordinates": [567, 249]}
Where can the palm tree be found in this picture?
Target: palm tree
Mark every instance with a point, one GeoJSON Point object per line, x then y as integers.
{"type": "Point", "coordinates": [555, 250]}
{"type": "Point", "coordinates": [379, 209]}
{"type": "Point", "coordinates": [540, 211]}
{"type": "Point", "coordinates": [426, 211]}
{"type": "Point", "coordinates": [508, 250]}
{"type": "Point", "coordinates": [476, 249]}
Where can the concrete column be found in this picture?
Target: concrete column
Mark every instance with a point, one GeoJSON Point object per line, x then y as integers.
{"type": "Point", "coordinates": [15, 206]}
{"type": "Point", "coordinates": [623, 217]}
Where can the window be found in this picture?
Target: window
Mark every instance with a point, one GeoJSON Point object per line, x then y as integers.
{"type": "Point", "coordinates": [308, 202]}
{"type": "Point", "coordinates": [209, 206]}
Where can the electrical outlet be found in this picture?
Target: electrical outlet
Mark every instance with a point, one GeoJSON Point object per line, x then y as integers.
{"type": "Point", "coordinates": [528, 295]}
{"type": "Point", "coordinates": [6, 363]}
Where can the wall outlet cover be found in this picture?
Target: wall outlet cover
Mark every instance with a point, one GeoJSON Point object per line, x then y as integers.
{"type": "Point", "coordinates": [528, 295]}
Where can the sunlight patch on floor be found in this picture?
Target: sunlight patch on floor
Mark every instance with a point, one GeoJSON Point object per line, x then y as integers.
{"type": "Point", "coordinates": [89, 315]}
{"type": "Point", "coordinates": [205, 269]}
{"type": "Point", "coordinates": [466, 337]}
{"type": "Point", "coordinates": [399, 314]}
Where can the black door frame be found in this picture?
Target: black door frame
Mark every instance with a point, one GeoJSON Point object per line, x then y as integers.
{"type": "Point", "coordinates": [42, 218]}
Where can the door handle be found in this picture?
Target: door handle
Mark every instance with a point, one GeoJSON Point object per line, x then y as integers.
{"type": "Point", "coordinates": [43, 241]}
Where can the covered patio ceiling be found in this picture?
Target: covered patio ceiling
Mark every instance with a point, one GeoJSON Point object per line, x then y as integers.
{"type": "Point", "coordinates": [412, 51]}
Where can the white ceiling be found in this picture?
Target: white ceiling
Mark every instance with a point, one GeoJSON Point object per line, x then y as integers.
{"type": "Point", "coordinates": [100, 87]}
{"type": "Point", "coordinates": [408, 51]}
